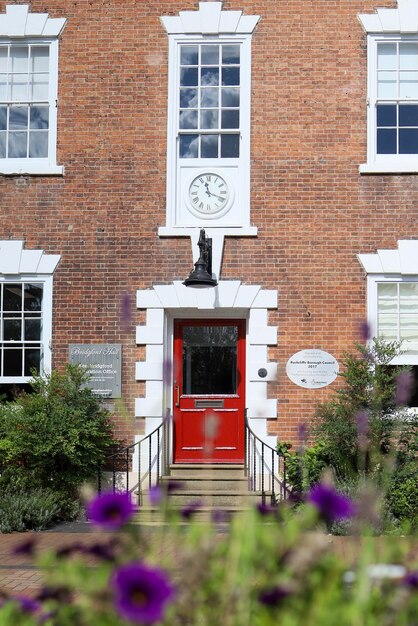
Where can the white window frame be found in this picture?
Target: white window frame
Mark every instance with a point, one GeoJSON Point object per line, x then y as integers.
{"type": "Point", "coordinates": [372, 314]}
{"type": "Point", "coordinates": [210, 24]}
{"type": "Point", "coordinates": [46, 322]}
{"type": "Point", "coordinates": [386, 25]}
{"type": "Point", "coordinates": [19, 27]}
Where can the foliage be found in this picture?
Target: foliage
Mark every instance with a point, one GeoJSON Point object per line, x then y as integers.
{"type": "Point", "coordinates": [35, 509]}
{"type": "Point", "coordinates": [267, 567]}
{"type": "Point", "coordinates": [365, 431]}
{"type": "Point", "coordinates": [56, 435]}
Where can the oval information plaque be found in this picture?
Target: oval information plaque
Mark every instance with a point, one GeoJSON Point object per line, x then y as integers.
{"type": "Point", "coordinates": [312, 369]}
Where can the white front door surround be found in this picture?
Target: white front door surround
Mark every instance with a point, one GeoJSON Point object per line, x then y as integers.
{"type": "Point", "coordinates": [164, 303]}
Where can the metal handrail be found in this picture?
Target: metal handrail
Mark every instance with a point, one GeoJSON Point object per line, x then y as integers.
{"type": "Point", "coordinates": [153, 447]}
{"type": "Point", "coordinates": [259, 472]}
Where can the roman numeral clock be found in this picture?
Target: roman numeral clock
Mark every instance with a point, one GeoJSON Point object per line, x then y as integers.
{"type": "Point", "coordinates": [209, 195]}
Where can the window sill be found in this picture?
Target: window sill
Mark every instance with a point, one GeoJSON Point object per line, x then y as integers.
{"type": "Point", "coordinates": [14, 169]}
{"type": "Point", "coordinates": [389, 168]}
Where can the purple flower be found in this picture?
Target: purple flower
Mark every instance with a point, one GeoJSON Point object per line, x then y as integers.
{"type": "Point", "coordinates": [273, 596]}
{"type": "Point", "coordinates": [141, 592]}
{"type": "Point", "coordinates": [404, 386]}
{"type": "Point", "coordinates": [411, 579]}
{"type": "Point", "coordinates": [25, 548]}
{"type": "Point", "coordinates": [125, 312]}
{"type": "Point", "coordinates": [364, 330]}
{"type": "Point", "coordinates": [189, 510]}
{"type": "Point", "coordinates": [28, 605]}
{"type": "Point", "coordinates": [266, 509]}
{"type": "Point", "coordinates": [110, 510]}
{"type": "Point", "coordinates": [362, 429]}
{"type": "Point", "coordinates": [155, 495]}
{"type": "Point", "coordinates": [331, 504]}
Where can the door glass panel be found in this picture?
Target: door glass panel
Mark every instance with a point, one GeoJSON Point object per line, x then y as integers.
{"type": "Point", "coordinates": [210, 360]}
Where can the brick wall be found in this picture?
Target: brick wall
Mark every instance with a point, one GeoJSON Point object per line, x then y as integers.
{"type": "Point", "coordinates": [313, 210]}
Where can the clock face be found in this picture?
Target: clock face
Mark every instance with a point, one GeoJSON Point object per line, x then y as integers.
{"type": "Point", "coordinates": [208, 193]}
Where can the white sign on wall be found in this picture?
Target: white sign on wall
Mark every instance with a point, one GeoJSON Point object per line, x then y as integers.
{"type": "Point", "coordinates": [312, 369]}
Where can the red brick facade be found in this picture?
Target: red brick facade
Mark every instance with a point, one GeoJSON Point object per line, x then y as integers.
{"type": "Point", "coordinates": [314, 210]}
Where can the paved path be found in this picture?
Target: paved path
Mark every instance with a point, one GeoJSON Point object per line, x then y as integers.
{"type": "Point", "coordinates": [18, 574]}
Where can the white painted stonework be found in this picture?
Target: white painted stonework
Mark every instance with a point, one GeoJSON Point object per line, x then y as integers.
{"type": "Point", "coordinates": [18, 22]}
{"type": "Point", "coordinates": [14, 260]}
{"type": "Point", "coordinates": [403, 19]}
{"type": "Point", "coordinates": [403, 261]}
{"type": "Point", "coordinates": [230, 299]}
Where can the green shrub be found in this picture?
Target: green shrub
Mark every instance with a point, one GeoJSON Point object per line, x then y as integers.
{"type": "Point", "coordinates": [35, 510]}
{"type": "Point", "coordinates": [55, 436]}
{"type": "Point", "coordinates": [402, 495]}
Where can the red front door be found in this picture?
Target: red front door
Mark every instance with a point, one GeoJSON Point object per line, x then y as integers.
{"type": "Point", "coordinates": [209, 391]}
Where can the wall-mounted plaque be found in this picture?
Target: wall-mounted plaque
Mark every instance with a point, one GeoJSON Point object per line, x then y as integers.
{"type": "Point", "coordinates": [103, 362]}
{"type": "Point", "coordinates": [312, 369]}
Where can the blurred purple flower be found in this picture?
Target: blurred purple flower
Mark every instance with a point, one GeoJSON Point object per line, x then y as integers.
{"type": "Point", "coordinates": [28, 605]}
{"type": "Point", "coordinates": [273, 596]}
{"type": "Point", "coordinates": [110, 510]}
{"type": "Point", "coordinates": [103, 551]}
{"type": "Point", "coordinates": [219, 516]}
{"type": "Point", "coordinates": [68, 550]}
{"type": "Point", "coordinates": [155, 495]}
{"type": "Point", "coordinates": [411, 579]}
{"type": "Point", "coordinates": [141, 592]}
{"type": "Point", "coordinates": [266, 509]}
{"type": "Point", "coordinates": [167, 369]}
{"type": "Point", "coordinates": [25, 548]}
{"type": "Point", "coordinates": [188, 511]}
{"type": "Point", "coordinates": [362, 429]}
{"type": "Point", "coordinates": [60, 593]}
{"type": "Point", "coordinates": [331, 504]}
{"type": "Point", "coordinates": [404, 386]}
{"type": "Point", "coordinates": [364, 330]}
{"type": "Point", "coordinates": [126, 312]}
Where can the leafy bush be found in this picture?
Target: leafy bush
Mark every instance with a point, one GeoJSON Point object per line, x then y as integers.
{"type": "Point", "coordinates": [55, 436]}
{"type": "Point", "coordinates": [402, 495]}
{"type": "Point", "coordinates": [35, 510]}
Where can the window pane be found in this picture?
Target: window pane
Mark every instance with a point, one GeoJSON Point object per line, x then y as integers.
{"type": "Point", "coordinates": [408, 115]}
{"type": "Point", "coordinates": [17, 145]}
{"type": "Point", "coordinates": [388, 321]}
{"type": "Point", "coordinates": [230, 119]}
{"type": "Point", "coordinates": [408, 321]}
{"type": "Point", "coordinates": [33, 297]}
{"type": "Point", "coordinates": [3, 118]}
{"type": "Point", "coordinates": [189, 55]}
{"type": "Point", "coordinates": [408, 85]}
{"type": "Point", "coordinates": [40, 59]}
{"type": "Point", "coordinates": [209, 76]}
{"type": "Point", "coordinates": [188, 98]}
{"type": "Point", "coordinates": [230, 76]}
{"type": "Point", "coordinates": [18, 117]}
{"type": "Point", "coordinates": [386, 114]}
{"type": "Point", "coordinates": [408, 56]}
{"type": "Point", "coordinates": [209, 146]}
{"type": "Point", "coordinates": [3, 59]}
{"type": "Point", "coordinates": [189, 146]}
{"type": "Point", "coordinates": [230, 97]}
{"type": "Point", "coordinates": [189, 76]}
{"type": "Point", "coordinates": [38, 144]}
{"type": "Point", "coordinates": [387, 289]}
{"type": "Point", "coordinates": [12, 297]}
{"type": "Point", "coordinates": [387, 87]}
{"type": "Point", "coordinates": [386, 141]}
{"type": "Point", "coordinates": [229, 146]}
{"type": "Point", "coordinates": [2, 144]}
{"type": "Point", "coordinates": [209, 118]}
{"type": "Point", "coordinates": [386, 56]}
{"type": "Point", "coordinates": [210, 97]}
{"type": "Point", "coordinates": [32, 360]}
{"type": "Point", "coordinates": [39, 117]}
{"type": "Point", "coordinates": [19, 88]}
{"type": "Point", "coordinates": [32, 330]}
{"type": "Point", "coordinates": [3, 87]}
{"type": "Point", "coordinates": [39, 88]}
{"type": "Point", "coordinates": [12, 362]}
{"type": "Point", "coordinates": [210, 360]}
{"type": "Point", "coordinates": [210, 55]}
{"type": "Point", "coordinates": [230, 54]}
{"type": "Point", "coordinates": [12, 329]}
{"type": "Point", "coordinates": [19, 59]}
{"type": "Point", "coordinates": [408, 141]}
{"type": "Point", "coordinates": [188, 119]}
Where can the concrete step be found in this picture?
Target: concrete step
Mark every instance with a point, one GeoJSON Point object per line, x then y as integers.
{"type": "Point", "coordinates": [150, 516]}
{"type": "Point", "coordinates": [206, 470]}
{"type": "Point", "coordinates": [207, 483]}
